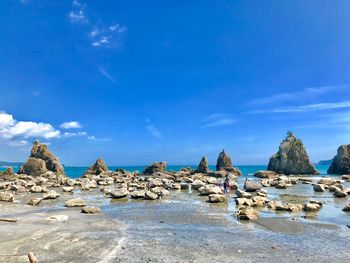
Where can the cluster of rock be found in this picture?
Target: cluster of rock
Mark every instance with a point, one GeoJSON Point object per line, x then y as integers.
{"type": "Point", "coordinates": [279, 181]}
{"type": "Point", "coordinates": [255, 196]}
{"type": "Point", "coordinates": [223, 166]}
{"type": "Point", "coordinates": [156, 183]}
{"type": "Point", "coordinates": [41, 160]}
{"type": "Point", "coordinates": [333, 186]}
{"type": "Point", "coordinates": [291, 158]}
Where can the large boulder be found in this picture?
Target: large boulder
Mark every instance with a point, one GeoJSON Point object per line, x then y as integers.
{"type": "Point", "coordinates": [6, 197]}
{"type": "Point", "coordinates": [216, 198]}
{"type": "Point", "coordinates": [77, 202]}
{"type": "Point", "coordinates": [203, 166]}
{"type": "Point", "coordinates": [341, 162]}
{"type": "Point", "coordinates": [155, 167]}
{"type": "Point", "coordinates": [247, 214]}
{"type": "Point", "coordinates": [98, 167]}
{"type": "Point", "coordinates": [251, 186]}
{"type": "Point", "coordinates": [266, 174]}
{"type": "Point", "coordinates": [90, 210]}
{"type": "Point", "coordinates": [40, 161]}
{"type": "Point", "coordinates": [291, 158]}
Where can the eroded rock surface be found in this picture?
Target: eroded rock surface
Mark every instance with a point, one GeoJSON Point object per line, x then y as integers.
{"type": "Point", "coordinates": [203, 166]}
{"type": "Point", "coordinates": [341, 162]}
{"type": "Point", "coordinates": [155, 167]}
{"type": "Point", "coordinates": [98, 167]}
{"type": "Point", "coordinates": [41, 160]}
{"type": "Point", "coordinates": [291, 158]}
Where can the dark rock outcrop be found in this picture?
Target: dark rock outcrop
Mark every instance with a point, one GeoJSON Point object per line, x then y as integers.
{"type": "Point", "coordinates": [40, 161]}
{"type": "Point", "coordinates": [155, 167]}
{"type": "Point", "coordinates": [203, 166]}
{"type": "Point", "coordinates": [341, 162]}
{"type": "Point", "coordinates": [291, 158]}
{"type": "Point", "coordinates": [98, 167]}
{"type": "Point", "coordinates": [223, 162]}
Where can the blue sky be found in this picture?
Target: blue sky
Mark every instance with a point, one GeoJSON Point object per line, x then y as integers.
{"type": "Point", "coordinates": [143, 81]}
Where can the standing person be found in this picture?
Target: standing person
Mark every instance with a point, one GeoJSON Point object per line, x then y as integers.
{"type": "Point", "coordinates": [227, 185]}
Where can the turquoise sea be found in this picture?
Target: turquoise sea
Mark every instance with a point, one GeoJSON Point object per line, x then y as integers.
{"type": "Point", "coordinates": [247, 170]}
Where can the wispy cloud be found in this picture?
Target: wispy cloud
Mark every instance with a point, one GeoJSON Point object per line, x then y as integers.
{"type": "Point", "coordinates": [327, 121]}
{"type": "Point", "coordinates": [77, 14]}
{"type": "Point", "coordinates": [105, 36]}
{"type": "Point", "coordinates": [307, 108]}
{"type": "Point", "coordinates": [153, 130]}
{"type": "Point", "coordinates": [217, 120]}
{"type": "Point", "coordinates": [106, 74]}
{"type": "Point", "coordinates": [307, 93]}
{"type": "Point", "coordinates": [94, 138]}
{"type": "Point", "coordinates": [70, 125]}
{"type": "Point", "coordinates": [101, 34]}
{"type": "Point", "coordinates": [74, 134]}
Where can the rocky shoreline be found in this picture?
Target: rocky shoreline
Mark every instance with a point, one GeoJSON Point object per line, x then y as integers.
{"type": "Point", "coordinates": [49, 209]}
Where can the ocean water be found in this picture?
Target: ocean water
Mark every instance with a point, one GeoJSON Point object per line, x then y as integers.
{"type": "Point", "coordinates": [247, 170]}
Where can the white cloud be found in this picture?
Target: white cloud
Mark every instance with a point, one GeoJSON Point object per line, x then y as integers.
{"type": "Point", "coordinates": [10, 128]}
{"type": "Point", "coordinates": [216, 120]}
{"type": "Point", "coordinates": [70, 125]}
{"type": "Point", "coordinates": [153, 130]}
{"type": "Point", "coordinates": [106, 74]}
{"type": "Point", "coordinates": [16, 133]}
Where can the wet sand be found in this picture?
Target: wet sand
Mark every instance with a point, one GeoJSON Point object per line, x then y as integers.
{"type": "Point", "coordinates": [180, 228]}
{"type": "Point", "coordinates": [186, 230]}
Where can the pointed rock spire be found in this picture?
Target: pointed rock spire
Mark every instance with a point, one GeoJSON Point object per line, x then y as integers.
{"type": "Point", "coordinates": [224, 162]}
{"type": "Point", "coordinates": [291, 158]}
{"type": "Point", "coordinates": [203, 166]}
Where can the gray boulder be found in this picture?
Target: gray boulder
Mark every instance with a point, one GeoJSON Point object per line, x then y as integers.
{"type": "Point", "coordinates": [291, 158]}
{"type": "Point", "coordinates": [251, 186]}
{"type": "Point", "coordinates": [341, 162]}
{"type": "Point", "coordinates": [40, 161]}
{"type": "Point", "coordinates": [90, 210]}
